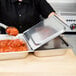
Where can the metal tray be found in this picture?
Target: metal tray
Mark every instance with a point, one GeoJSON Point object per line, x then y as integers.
{"type": "Point", "coordinates": [56, 47]}
{"type": "Point", "coordinates": [44, 31]}
{"type": "Point", "coordinates": [13, 55]}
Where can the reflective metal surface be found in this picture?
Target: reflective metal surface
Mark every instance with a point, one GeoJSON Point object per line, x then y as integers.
{"type": "Point", "coordinates": [44, 31]}
{"type": "Point", "coordinates": [64, 7]}
{"type": "Point", "coordinates": [57, 43]}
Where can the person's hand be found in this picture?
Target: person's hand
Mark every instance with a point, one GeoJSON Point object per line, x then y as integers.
{"type": "Point", "coordinates": [12, 31]}
{"type": "Point", "coordinates": [53, 13]}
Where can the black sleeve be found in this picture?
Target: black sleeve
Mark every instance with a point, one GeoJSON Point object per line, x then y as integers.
{"type": "Point", "coordinates": [45, 8]}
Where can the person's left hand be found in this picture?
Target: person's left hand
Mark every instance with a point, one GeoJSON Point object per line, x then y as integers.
{"type": "Point", "coordinates": [52, 13]}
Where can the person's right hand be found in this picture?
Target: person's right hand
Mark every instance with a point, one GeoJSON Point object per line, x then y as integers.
{"type": "Point", "coordinates": [12, 31]}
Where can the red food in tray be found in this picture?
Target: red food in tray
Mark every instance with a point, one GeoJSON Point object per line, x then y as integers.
{"type": "Point", "coordinates": [13, 45]}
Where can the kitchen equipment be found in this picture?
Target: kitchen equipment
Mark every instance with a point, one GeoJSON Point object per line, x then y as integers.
{"type": "Point", "coordinates": [37, 36]}
{"type": "Point", "coordinates": [67, 9]}
{"type": "Point", "coordinates": [10, 30]}
{"type": "Point", "coordinates": [70, 20]}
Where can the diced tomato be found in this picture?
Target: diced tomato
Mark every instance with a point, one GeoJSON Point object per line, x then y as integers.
{"type": "Point", "coordinates": [12, 31]}
{"type": "Point", "coordinates": [12, 45]}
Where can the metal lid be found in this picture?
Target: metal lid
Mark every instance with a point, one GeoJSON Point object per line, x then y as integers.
{"type": "Point", "coordinates": [44, 31]}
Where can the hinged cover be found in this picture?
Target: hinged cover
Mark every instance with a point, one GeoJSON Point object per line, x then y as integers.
{"type": "Point", "coordinates": [44, 31]}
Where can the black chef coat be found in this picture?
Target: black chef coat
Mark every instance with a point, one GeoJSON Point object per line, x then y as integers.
{"type": "Point", "coordinates": [25, 14]}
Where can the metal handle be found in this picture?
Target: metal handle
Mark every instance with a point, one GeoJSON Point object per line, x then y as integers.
{"type": "Point", "coordinates": [63, 40]}
{"type": "Point", "coordinates": [3, 25]}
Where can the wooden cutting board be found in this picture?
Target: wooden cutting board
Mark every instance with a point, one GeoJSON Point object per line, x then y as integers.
{"type": "Point", "coordinates": [64, 65]}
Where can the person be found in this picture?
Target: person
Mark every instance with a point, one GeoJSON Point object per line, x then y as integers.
{"type": "Point", "coordinates": [23, 14]}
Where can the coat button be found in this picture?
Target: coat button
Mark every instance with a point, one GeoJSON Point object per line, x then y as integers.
{"type": "Point", "coordinates": [19, 3]}
{"type": "Point", "coordinates": [20, 15]}
{"type": "Point", "coordinates": [20, 26]}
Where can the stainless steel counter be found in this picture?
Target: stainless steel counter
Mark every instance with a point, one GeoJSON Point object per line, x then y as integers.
{"type": "Point", "coordinates": [72, 40]}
